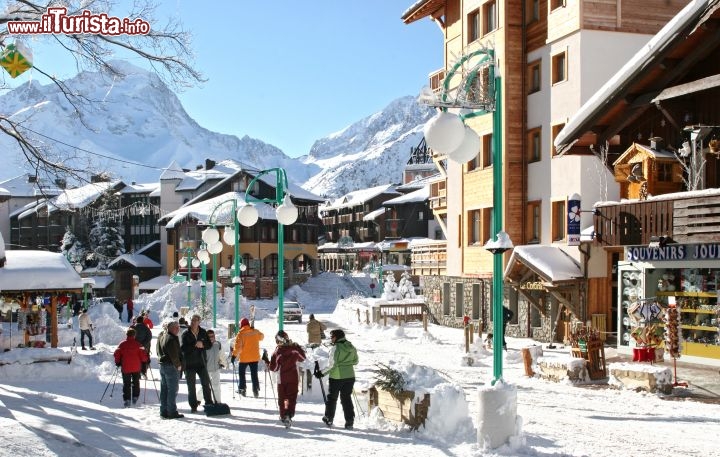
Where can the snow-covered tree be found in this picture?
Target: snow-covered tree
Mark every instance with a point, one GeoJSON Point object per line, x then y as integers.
{"type": "Point", "coordinates": [406, 288]}
{"type": "Point", "coordinates": [166, 49]}
{"type": "Point", "coordinates": [106, 239]}
{"type": "Point", "coordinates": [72, 248]}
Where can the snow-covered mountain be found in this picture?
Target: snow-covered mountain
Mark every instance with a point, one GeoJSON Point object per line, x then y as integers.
{"type": "Point", "coordinates": [137, 118]}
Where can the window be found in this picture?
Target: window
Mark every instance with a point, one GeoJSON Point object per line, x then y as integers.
{"type": "Point", "coordinates": [459, 298]}
{"type": "Point", "coordinates": [446, 298]}
{"type": "Point", "coordinates": [559, 68]}
{"type": "Point", "coordinates": [534, 145]}
{"type": "Point", "coordinates": [473, 26]}
{"type": "Point", "coordinates": [664, 172]}
{"type": "Point", "coordinates": [476, 301]}
{"type": "Point", "coordinates": [534, 77]}
{"type": "Point", "coordinates": [487, 145]}
{"type": "Point", "coordinates": [555, 4]}
{"type": "Point", "coordinates": [420, 215]}
{"type": "Point", "coordinates": [558, 217]}
{"type": "Point", "coordinates": [475, 227]}
{"type": "Point", "coordinates": [533, 221]}
{"type": "Point", "coordinates": [487, 224]}
{"type": "Point", "coordinates": [555, 131]}
{"type": "Point", "coordinates": [533, 11]}
{"type": "Point", "coordinates": [490, 16]}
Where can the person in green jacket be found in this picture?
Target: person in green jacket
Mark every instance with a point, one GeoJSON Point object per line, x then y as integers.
{"type": "Point", "coordinates": [342, 358]}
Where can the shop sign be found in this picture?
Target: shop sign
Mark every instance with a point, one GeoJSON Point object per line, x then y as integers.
{"type": "Point", "coordinates": [674, 252]}
{"type": "Point", "coordinates": [532, 285]}
{"type": "Point", "coordinates": [573, 220]}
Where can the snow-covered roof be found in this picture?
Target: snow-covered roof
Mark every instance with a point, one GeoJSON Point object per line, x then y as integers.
{"type": "Point", "coordinates": [147, 247]}
{"type": "Point", "coordinates": [145, 188]}
{"type": "Point", "coordinates": [37, 270]}
{"type": "Point", "coordinates": [80, 197]}
{"type": "Point", "coordinates": [21, 186]}
{"type": "Point", "coordinates": [4, 192]}
{"type": "Point", "coordinates": [101, 282]}
{"type": "Point", "coordinates": [373, 214]}
{"type": "Point", "coordinates": [417, 196]}
{"type": "Point", "coordinates": [136, 260]}
{"type": "Point", "coordinates": [364, 246]}
{"type": "Point", "coordinates": [201, 211]}
{"type": "Point", "coordinates": [154, 283]}
{"type": "Point", "coordinates": [549, 262]}
{"type": "Point", "coordinates": [173, 171]}
{"type": "Point", "coordinates": [672, 196]}
{"type": "Point", "coordinates": [359, 197]}
{"type": "Point", "coordinates": [615, 87]}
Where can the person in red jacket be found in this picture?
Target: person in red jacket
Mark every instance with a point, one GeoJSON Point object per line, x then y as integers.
{"type": "Point", "coordinates": [130, 356]}
{"type": "Point", "coordinates": [284, 360]}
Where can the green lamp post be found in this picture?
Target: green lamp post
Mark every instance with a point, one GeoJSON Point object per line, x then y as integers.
{"type": "Point", "coordinates": [286, 214]}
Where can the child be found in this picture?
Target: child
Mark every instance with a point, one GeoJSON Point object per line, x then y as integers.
{"type": "Point", "coordinates": [130, 355]}
{"type": "Point", "coordinates": [284, 360]}
{"type": "Point", "coordinates": [215, 361]}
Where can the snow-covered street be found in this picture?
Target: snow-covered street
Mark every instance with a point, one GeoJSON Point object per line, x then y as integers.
{"type": "Point", "coordinates": [54, 408]}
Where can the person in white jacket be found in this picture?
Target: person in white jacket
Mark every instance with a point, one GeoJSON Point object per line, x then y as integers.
{"type": "Point", "coordinates": [86, 327]}
{"type": "Point", "coordinates": [215, 361]}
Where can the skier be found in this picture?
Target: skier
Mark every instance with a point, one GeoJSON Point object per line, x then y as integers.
{"type": "Point", "coordinates": [343, 356]}
{"type": "Point", "coordinates": [247, 349]}
{"type": "Point", "coordinates": [284, 360]}
{"type": "Point", "coordinates": [131, 356]}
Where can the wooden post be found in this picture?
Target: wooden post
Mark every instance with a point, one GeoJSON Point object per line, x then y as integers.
{"type": "Point", "coordinates": [367, 316]}
{"type": "Point", "coordinates": [358, 313]}
{"type": "Point", "coordinates": [471, 332]}
{"type": "Point", "coordinates": [425, 319]}
{"type": "Point", "coordinates": [527, 362]}
{"type": "Point", "coordinates": [53, 322]}
{"type": "Point", "coordinates": [385, 319]}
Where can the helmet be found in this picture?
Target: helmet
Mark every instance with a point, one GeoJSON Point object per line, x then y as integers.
{"type": "Point", "coordinates": [281, 337]}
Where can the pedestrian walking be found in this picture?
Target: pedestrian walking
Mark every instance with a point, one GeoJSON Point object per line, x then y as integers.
{"type": "Point", "coordinates": [247, 351]}
{"type": "Point", "coordinates": [130, 356]}
{"type": "Point", "coordinates": [285, 361]}
{"type": "Point", "coordinates": [86, 328]}
{"type": "Point", "coordinates": [168, 351]}
{"type": "Point", "coordinates": [129, 306]}
{"type": "Point", "coordinates": [508, 314]}
{"type": "Point", "coordinates": [216, 360]}
{"type": "Point", "coordinates": [342, 358]}
{"type": "Point", "coordinates": [316, 331]}
{"type": "Point", "coordinates": [143, 335]}
{"type": "Point", "coordinates": [193, 344]}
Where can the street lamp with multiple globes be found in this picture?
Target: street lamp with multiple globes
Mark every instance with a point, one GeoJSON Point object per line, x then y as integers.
{"type": "Point", "coordinates": [231, 237]}
{"type": "Point", "coordinates": [189, 261]}
{"type": "Point", "coordinates": [447, 134]}
{"type": "Point", "coordinates": [286, 214]}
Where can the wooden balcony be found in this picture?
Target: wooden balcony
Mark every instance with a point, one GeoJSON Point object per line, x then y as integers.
{"type": "Point", "coordinates": [329, 220]}
{"type": "Point", "coordinates": [438, 196]}
{"type": "Point", "coordinates": [436, 80]}
{"type": "Point", "coordinates": [345, 218]}
{"type": "Point", "coordinates": [684, 217]}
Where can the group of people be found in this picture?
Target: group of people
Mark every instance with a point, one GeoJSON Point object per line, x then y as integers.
{"type": "Point", "coordinates": [197, 354]}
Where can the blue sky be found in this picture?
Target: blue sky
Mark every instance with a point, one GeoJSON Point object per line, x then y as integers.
{"type": "Point", "coordinates": [289, 73]}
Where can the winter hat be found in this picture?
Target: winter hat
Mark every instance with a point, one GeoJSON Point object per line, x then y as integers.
{"type": "Point", "coordinates": [282, 338]}
{"type": "Point", "coordinates": [244, 322]}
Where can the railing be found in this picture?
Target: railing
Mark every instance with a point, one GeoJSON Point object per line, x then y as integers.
{"type": "Point", "coordinates": [346, 218]}
{"type": "Point", "coordinates": [684, 219]}
{"type": "Point", "coordinates": [436, 80]}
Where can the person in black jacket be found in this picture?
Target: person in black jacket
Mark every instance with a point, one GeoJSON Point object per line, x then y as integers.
{"type": "Point", "coordinates": [143, 335]}
{"type": "Point", "coordinates": [194, 343]}
{"type": "Point", "coordinates": [507, 317]}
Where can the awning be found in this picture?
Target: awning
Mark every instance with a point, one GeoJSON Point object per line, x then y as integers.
{"type": "Point", "coordinates": [545, 268]}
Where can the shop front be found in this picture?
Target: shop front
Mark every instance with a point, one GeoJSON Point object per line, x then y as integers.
{"type": "Point", "coordinates": [668, 298]}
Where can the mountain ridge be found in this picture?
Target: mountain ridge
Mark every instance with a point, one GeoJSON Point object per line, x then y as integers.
{"type": "Point", "coordinates": [136, 118]}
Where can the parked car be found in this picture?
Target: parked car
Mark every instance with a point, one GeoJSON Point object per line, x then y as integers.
{"type": "Point", "coordinates": [292, 311]}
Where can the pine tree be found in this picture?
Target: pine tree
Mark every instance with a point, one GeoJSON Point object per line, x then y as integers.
{"type": "Point", "coordinates": [106, 239]}
{"type": "Point", "coordinates": [72, 248]}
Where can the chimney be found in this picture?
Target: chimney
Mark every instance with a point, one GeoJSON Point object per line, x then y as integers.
{"type": "Point", "coordinates": [209, 164]}
{"type": "Point", "coordinates": [656, 143]}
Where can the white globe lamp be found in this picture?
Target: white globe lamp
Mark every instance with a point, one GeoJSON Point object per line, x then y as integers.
{"type": "Point", "coordinates": [229, 236]}
{"type": "Point", "coordinates": [287, 213]}
{"type": "Point", "coordinates": [215, 248]}
{"type": "Point", "coordinates": [248, 215]}
{"type": "Point", "coordinates": [210, 235]}
{"type": "Point", "coordinates": [468, 149]}
{"type": "Point", "coordinates": [444, 132]}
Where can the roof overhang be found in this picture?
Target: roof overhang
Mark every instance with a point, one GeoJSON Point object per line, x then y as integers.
{"type": "Point", "coordinates": [421, 9]}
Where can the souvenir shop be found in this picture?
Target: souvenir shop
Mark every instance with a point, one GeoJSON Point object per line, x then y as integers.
{"type": "Point", "coordinates": [668, 298]}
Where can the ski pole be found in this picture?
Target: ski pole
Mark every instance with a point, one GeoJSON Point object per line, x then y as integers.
{"type": "Point", "coordinates": [266, 376]}
{"type": "Point", "coordinates": [234, 384]}
{"type": "Point", "coordinates": [322, 386]}
{"type": "Point", "coordinates": [272, 388]}
{"type": "Point", "coordinates": [357, 402]}
{"type": "Point", "coordinates": [108, 384]}
{"type": "Point", "coordinates": [154, 384]}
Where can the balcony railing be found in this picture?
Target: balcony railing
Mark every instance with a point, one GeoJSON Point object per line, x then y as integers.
{"type": "Point", "coordinates": [436, 80]}
{"type": "Point", "coordinates": [687, 218]}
